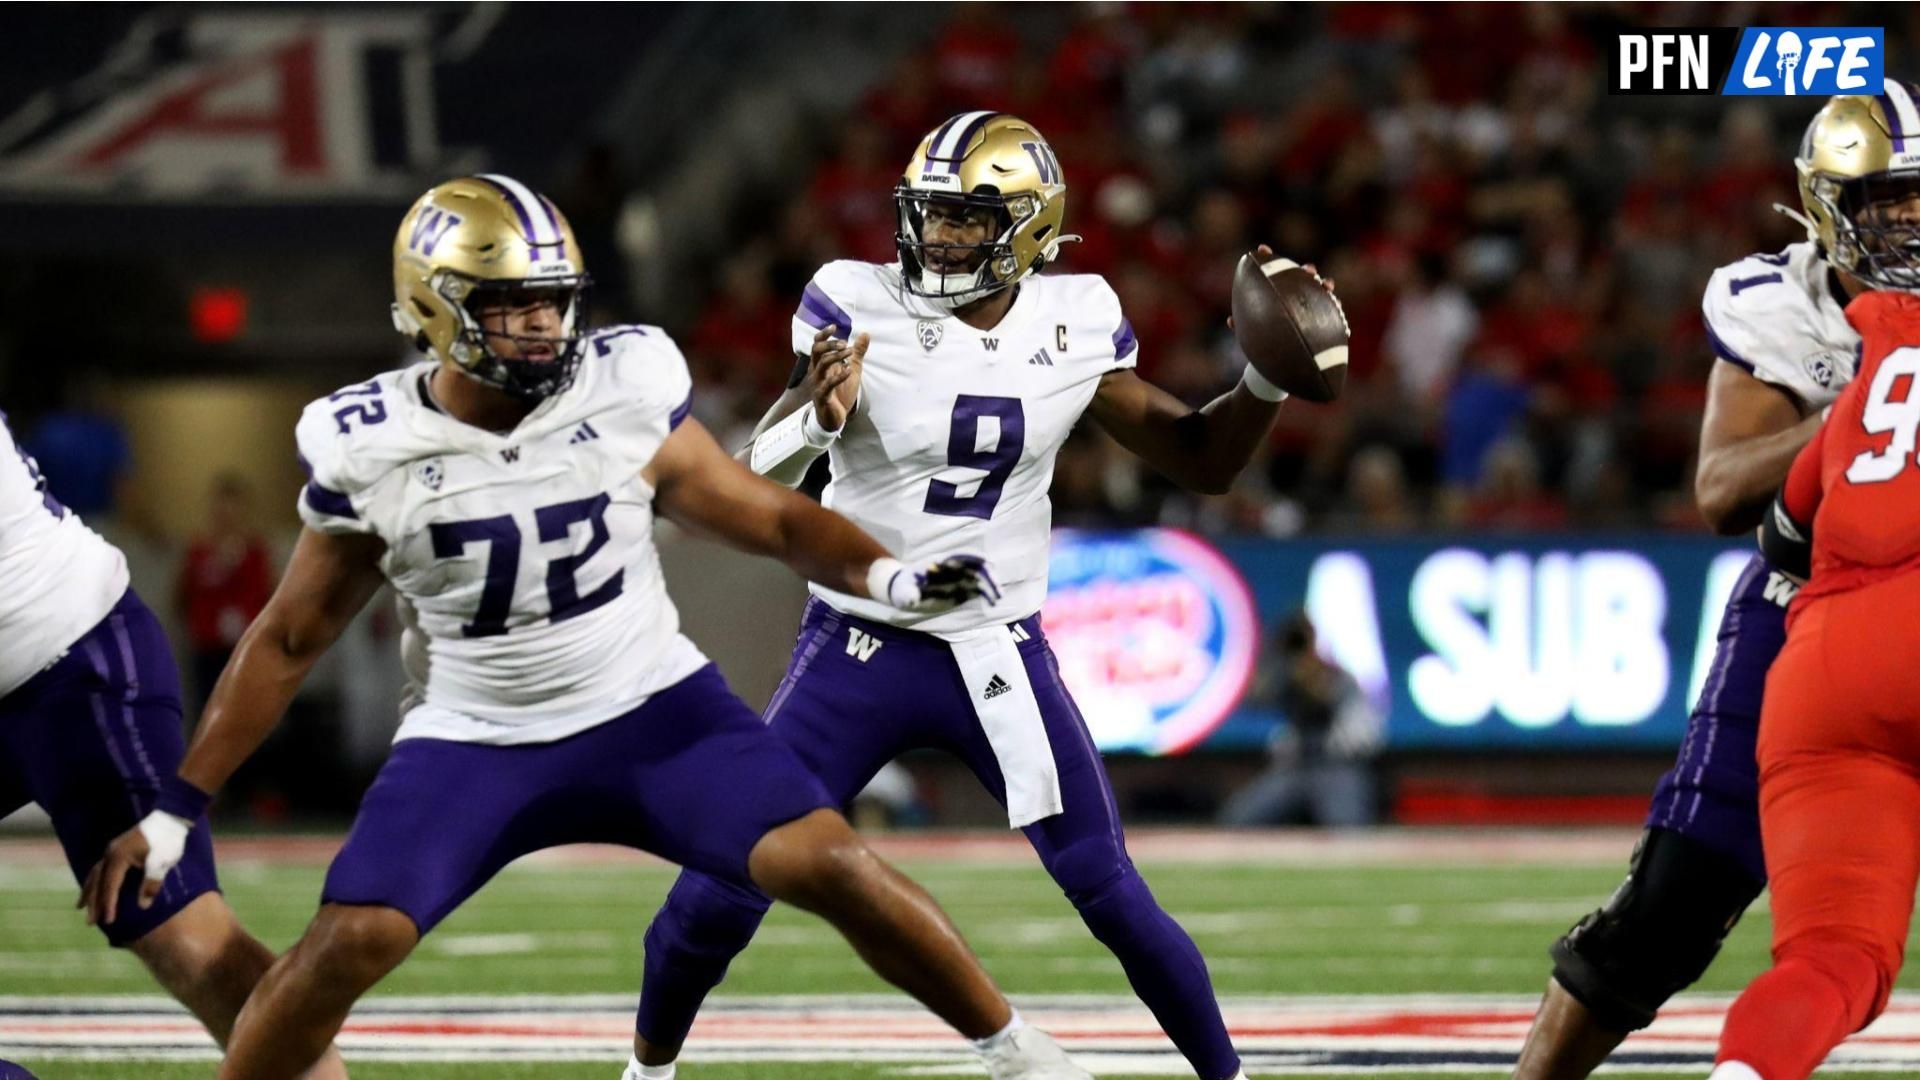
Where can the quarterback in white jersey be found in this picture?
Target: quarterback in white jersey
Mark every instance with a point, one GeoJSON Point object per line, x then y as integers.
{"type": "Point", "coordinates": [1784, 351]}
{"type": "Point", "coordinates": [506, 490]}
{"type": "Point", "coordinates": [90, 731]}
{"type": "Point", "coordinates": [941, 387]}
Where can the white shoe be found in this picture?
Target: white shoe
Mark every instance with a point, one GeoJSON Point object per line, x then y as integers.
{"type": "Point", "coordinates": [1027, 1053]}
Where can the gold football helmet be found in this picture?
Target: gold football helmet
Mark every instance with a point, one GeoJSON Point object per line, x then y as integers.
{"type": "Point", "coordinates": [991, 161]}
{"type": "Point", "coordinates": [478, 241]}
{"type": "Point", "coordinates": [1859, 162]}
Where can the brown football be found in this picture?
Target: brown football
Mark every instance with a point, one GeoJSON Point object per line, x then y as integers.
{"type": "Point", "coordinates": [1291, 328]}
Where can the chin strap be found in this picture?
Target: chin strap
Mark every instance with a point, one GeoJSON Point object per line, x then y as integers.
{"type": "Point", "coordinates": [1051, 249]}
{"type": "Point", "coordinates": [1813, 233]}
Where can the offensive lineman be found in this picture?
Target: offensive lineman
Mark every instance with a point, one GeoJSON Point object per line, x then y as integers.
{"type": "Point", "coordinates": [941, 420]}
{"type": "Point", "coordinates": [1786, 350]}
{"type": "Point", "coordinates": [507, 490]}
{"type": "Point", "coordinates": [89, 725]}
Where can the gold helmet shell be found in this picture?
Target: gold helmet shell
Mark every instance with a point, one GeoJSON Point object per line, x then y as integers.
{"type": "Point", "coordinates": [1859, 157]}
{"type": "Point", "coordinates": [989, 160]}
{"type": "Point", "coordinates": [486, 235]}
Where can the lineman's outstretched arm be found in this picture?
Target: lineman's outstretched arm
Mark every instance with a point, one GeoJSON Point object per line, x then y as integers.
{"type": "Point", "coordinates": [698, 486]}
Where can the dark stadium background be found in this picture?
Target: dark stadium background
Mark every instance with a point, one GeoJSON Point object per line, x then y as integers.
{"type": "Point", "coordinates": [1521, 257]}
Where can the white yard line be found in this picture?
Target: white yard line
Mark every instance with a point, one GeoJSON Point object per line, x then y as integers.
{"type": "Point", "coordinates": [1109, 1033]}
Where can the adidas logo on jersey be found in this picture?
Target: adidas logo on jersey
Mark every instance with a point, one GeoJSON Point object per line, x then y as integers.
{"type": "Point", "coordinates": [861, 645]}
{"type": "Point", "coordinates": [1041, 358]}
{"type": "Point", "coordinates": [995, 687]}
{"type": "Point", "coordinates": [1019, 632]}
{"type": "Point", "coordinates": [584, 434]}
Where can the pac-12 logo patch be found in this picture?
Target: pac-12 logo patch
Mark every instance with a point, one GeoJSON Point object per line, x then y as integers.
{"type": "Point", "coordinates": [1821, 368]}
{"type": "Point", "coordinates": [1155, 633]}
{"type": "Point", "coordinates": [431, 473]}
{"type": "Point", "coordinates": [930, 334]}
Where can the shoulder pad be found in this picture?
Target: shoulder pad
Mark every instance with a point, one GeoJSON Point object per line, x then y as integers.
{"type": "Point", "coordinates": [845, 294]}
{"type": "Point", "coordinates": [640, 364]}
{"type": "Point", "coordinates": [1763, 314]}
{"type": "Point", "coordinates": [347, 441]}
{"type": "Point", "coordinates": [1093, 303]}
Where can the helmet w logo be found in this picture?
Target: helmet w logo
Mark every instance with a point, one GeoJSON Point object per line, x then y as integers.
{"type": "Point", "coordinates": [1044, 162]}
{"type": "Point", "coordinates": [430, 228]}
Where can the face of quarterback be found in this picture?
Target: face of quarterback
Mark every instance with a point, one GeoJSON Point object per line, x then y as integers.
{"type": "Point", "coordinates": [955, 235]}
{"type": "Point", "coordinates": [523, 324]}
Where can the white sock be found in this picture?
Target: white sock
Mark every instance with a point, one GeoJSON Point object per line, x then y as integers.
{"type": "Point", "coordinates": [1734, 1070]}
{"type": "Point", "coordinates": [637, 1071]}
{"type": "Point", "coordinates": [997, 1038]}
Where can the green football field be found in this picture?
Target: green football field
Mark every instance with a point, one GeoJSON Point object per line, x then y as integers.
{"type": "Point", "coordinates": [548, 957]}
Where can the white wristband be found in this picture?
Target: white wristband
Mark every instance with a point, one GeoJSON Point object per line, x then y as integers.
{"type": "Point", "coordinates": [889, 582]}
{"type": "Point", "coordinates": [1259, 387]}
{"type": "Point", "coordinates": [783, 452]}
{"type": "Point", "coordinates": [814, 432]}
{"type": "Point", "coordinates": [166, 837]}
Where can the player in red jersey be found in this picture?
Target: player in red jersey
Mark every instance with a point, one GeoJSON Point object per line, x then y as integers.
{"type": "Point", "coordinates": [1840, 729]}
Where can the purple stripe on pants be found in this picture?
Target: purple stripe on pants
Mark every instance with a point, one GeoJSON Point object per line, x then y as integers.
{"type": "Point", "coordinates": [1712, 792]}
{"type": "Point", "coordinates": [89, 738]}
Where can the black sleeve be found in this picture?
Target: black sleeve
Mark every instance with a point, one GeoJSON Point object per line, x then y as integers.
{"type": "Point", "coordinates": [1787, 544]}
{"type": "Point", "coordinates": [799, 371]}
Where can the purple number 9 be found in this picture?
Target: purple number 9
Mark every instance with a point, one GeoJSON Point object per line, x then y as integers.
{"type": "Point", "coordinates": [963, 441]}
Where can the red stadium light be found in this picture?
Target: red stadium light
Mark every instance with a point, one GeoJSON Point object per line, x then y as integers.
{"type": "Point", "coordinates": [218, 314]}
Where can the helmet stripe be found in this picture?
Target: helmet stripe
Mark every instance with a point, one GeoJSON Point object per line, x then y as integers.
{"type": "Point", "coordinates": [541, 231]}
{"type": "Point", "coordinates": [966, 136]}
{"type": "Point", "coordinates": [1903, 119]}
{"type": "Point", "coordinates": [953, 138]}
{"type": "Point", "coordinates": [940, 133]}
{"type": "Point", "coordinates": [553, 219]}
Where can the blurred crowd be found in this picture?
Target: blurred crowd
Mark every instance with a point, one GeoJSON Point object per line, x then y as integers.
{"type": "Point", "coordinates": [1521, 257]}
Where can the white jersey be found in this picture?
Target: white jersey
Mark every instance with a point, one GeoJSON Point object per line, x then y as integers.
{"type": "Point", "coordinates": [529, 586]}
{"type": "Point", "coordinates": [950, 449]}
{"type": "Point", "coordinates": [58, 578]}
{"type": "Point", "coordinates": [1783, 319]}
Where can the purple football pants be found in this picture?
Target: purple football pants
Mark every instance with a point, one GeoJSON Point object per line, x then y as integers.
{"type": "Point", "coordinates": [90, 739]}
{"type": "Point", "coordinates": [846, 717]}
{"type": "Point", "coordinates": [443, 817]}
{"type": "Point", "coordinates": [1712, 793]}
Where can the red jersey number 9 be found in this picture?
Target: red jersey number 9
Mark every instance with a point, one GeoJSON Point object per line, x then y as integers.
{"type": "Point", "coordinates": [1883, 414]}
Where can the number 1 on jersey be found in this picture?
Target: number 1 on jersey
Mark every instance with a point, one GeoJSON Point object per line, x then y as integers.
{"type": "Point", "coordinates": [1883, 415]}
{"type": "Point", "coordinates": [963, 449]}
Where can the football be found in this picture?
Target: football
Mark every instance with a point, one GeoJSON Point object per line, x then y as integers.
{"type": "Point", "coordinates": [1292, 329]}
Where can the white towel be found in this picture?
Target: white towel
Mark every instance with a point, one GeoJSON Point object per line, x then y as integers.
{"type": "Point", "coordinates": [996, 679]}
